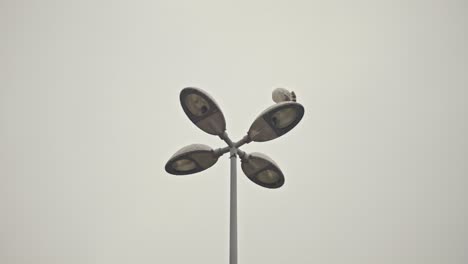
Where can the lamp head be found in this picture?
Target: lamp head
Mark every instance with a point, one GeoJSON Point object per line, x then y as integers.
{"type": "Point", "coordinates": [262, 170]}
{"type": "Point", "coordinates": [202, 110]}
{"type": "Point", "coordinates": [191, 159]}
{"type": "Point", "coordinates": [276, 121]}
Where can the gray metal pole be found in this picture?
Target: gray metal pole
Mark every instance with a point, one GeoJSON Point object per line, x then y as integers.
{"type": "Point", "coordinates": [233, 210]}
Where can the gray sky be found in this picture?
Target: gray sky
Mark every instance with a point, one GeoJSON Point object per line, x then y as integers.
{"type": "Point", "coordinates": [376, 172]}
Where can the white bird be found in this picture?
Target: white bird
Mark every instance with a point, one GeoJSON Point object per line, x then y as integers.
{"type": "Point", "coordinates": [283, 95]}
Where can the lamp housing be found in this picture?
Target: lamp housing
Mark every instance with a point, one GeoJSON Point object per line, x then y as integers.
{"type": "Point", "coordinates": [276, 121]}
{"type": "Point", "coordinates": [262, 170]}
{"type": "Point", "coordinates": [202, 110]}
{"type": "Point", "coordinates": [191, 159]}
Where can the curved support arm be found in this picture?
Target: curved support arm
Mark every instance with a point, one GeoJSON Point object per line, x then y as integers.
{"type": "Point", "coordinates": [245, 140]}
{"type": "Point", "coordinates": [226, 139]}
{"type": "Point", "coordinates": [242, 154]}
{"type": "Point", "coordinates": [221, 151]}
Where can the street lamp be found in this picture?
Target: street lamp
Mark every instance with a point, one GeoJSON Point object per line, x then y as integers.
{"type": "Point", "coordinates": [262, 170]}
{"type": "Point", "coordinates": [205, 113]}
{"type": "Point", "coordinates": [191, 159]}
{"type": "Point", "coordinates": [276, 121]}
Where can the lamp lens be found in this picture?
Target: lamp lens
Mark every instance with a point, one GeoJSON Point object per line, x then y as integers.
{"type": "Point", "coordinates": [196, 104]}
{"type": "Point", "coordinates": [283, 118]}
{"type": "Point", "coordinates": [183, 165]}
{"type": "Point", "coordinates": [268, 176]}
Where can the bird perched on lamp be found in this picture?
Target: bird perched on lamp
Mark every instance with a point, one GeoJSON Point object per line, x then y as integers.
{"type": "Point", "coordinates": [282, 95]}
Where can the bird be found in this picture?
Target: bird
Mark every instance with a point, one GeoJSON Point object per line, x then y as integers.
{"type": "Point", "coordinates": [282, 95]}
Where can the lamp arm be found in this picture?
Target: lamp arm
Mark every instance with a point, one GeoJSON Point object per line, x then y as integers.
{"type": "Point", "coordinates": [221, 151]}
{"type": "Point", "coordinates": [245, 140]}
{"type": "Point", "coordinates": [242, 154]}
{"type": "Point", "coordinates": [226, 139]}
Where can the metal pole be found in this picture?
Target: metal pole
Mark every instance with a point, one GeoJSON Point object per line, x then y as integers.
{"type": "Point", "coordinates": [233, 210]}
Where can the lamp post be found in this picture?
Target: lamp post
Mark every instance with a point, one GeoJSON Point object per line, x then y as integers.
{"type": "Point", "coordinates": [272, 123]}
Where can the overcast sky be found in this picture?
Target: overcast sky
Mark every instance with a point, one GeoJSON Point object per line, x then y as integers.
{"type": "Point", "coordinates": [376, 172]}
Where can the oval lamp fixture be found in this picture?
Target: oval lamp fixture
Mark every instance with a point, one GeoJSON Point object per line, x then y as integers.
{"type": "Point", "coordinates": [191, 159]}
{"type": "Point", "coordinates": [276, 121]}
{"type": "Point", "coordinates": [262, 170]}
{"type": "Point", "coordinates": [202, 110]}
